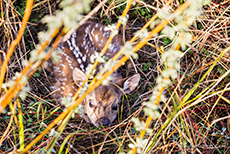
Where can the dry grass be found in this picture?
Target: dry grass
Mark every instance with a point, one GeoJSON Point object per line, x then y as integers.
{"type": "Point", "coordinates": [200, 125]}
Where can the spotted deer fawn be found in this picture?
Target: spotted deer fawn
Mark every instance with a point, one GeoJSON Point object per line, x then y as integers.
{"type": "Point", "coordinates": [100, 106]}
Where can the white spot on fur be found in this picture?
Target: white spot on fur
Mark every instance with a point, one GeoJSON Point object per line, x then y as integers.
{"type": "Point", "coordinates": [92, 31]}
{"type": "Point", "coordinates": [96, 38]}
{"type": "Point", "coordinates": [82, 67]}
{"type": "Point", "coordinates": [85, 47]}
{"type": "Point", "coordinates": [76, 53]}
{"type": "Point", "coordinates": [62, 65]}
{"type": "Point", "coordinates": [96, 25]}
{"type": "Point", "coordinates": [84, 58]}
{"type": "Point", "coordinates": [73, 41]}
{"type": "Point", "coordinates": [70, 46]}
{"type": "Point", "coordinates": [79, 60]}
{"type": "Point", "coordinates": [87, 29]}
{"type": "Point", "coordinates": [63, 79]}
{"type": "Point", "coordinates": [74, 34]}
{"type": "Point", "coordinates": [91, 40]}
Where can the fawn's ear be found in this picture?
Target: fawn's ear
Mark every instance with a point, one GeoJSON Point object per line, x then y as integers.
{"type": "Point", "coordinates": [78, 75]}
{"type": "Point", "coordinates": [129, 84]}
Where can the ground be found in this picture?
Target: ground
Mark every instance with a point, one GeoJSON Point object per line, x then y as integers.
{"type": "Point", "coordinates": [195, 116]}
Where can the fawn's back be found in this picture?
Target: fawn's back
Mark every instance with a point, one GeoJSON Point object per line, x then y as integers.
{"type": "Point", "coordinates": [100, 107]}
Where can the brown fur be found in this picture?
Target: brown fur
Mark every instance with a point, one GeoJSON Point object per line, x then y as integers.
{"type": "Point", "coordinates": [69, 71]}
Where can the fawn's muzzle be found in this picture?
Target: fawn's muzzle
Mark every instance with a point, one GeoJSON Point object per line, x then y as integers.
{"type": "Point", "coordinates": [103, 121]}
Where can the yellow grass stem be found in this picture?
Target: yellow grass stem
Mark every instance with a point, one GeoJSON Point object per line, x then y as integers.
{"type": "Point", "coordinates": [94, 65]}
{"type": "Point", "coordinates": [2, 14]}
{"type": "Point", "coordinates": [176, 113]}
{"type": "Point", "coordinates": [93, 86]}
{"type": "Point", "coordinates": [156, 47]}
{"type": "Point", "coordinates": [135, 49]}
{"type": "Point", "coordinates": [201, 68]}
{"type": "Point", "coordinates": [12, 92]}
{"type": "Point", "coordinates": [61, 116]}
{"type": "Point", "coordinates": [56, 121]}
{"type": "Point", "coordinates": [144, 27]}
{"type": "Point", "coordinates": [105, 48]}
{"type": "Point", "coordinates": [12, 117]}
{"type": "Point", "coordinates": [87, 17]}
{"type": "Point", "coordinates": [60, 129]}
{"type": "Point", "coordinates": [25, 19]}
{"type": "Point", "coordinates": [187, 96]}
{"type": "Point", "coordinates": [21, 127]}
{"type": "Point", "coordinates": [173, 132]}
{"type": "Point", "coordinates": [97, 83]}
{"type": "Point", "coordinates": [158, 28]}
{"type": "Point", "coordinates": [150, 21]}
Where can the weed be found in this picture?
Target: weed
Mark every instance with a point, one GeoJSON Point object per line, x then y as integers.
{"type": "Point", "coordinates": [194, 103]}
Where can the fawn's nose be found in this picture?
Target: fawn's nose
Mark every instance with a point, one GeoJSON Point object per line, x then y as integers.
{"type": "Point", "coordinates": [103, 121]}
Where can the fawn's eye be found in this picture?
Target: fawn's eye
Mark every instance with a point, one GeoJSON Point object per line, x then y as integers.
{"type": "Point", "coordinates": [91, 103]}
{"type": "Point", "coordinates": [114, 107]}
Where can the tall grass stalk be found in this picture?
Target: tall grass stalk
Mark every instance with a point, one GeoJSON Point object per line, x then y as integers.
{"type": "Point", "coordinates": [147, 137]}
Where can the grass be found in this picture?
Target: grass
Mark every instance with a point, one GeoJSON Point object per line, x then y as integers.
{"type": "Point", "coordinates": [194, 118]}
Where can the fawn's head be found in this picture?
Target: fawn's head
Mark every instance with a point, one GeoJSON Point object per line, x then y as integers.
{"type": "Point", "coordinates": [101, 105]}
